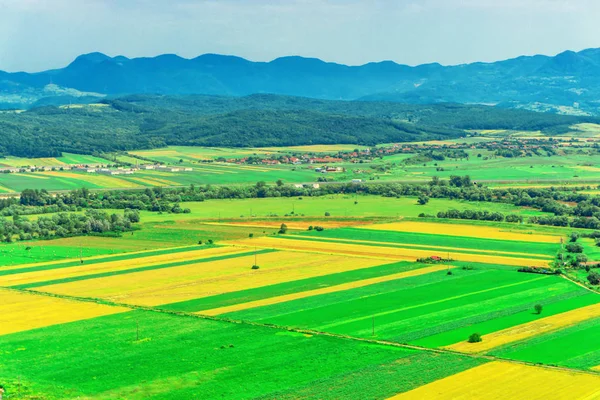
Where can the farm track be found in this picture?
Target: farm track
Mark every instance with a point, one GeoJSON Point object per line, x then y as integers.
{"type": "Point", "coordinates": [302, 331]}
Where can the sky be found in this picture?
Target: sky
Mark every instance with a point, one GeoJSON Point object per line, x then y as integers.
{"type": "Point", "coordinates": [37, 35]}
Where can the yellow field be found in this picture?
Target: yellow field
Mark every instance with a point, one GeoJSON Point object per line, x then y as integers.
{"type": "Point", "coordinates": [100, 180]}
{"type": "Point", "coordinates": [24, 311]}
{"type": "Point", "coordinates": [206, 279]}
{"type": "Point", "coordinates": [17, 162]}
{"type": "Point", "coordinates": [528, 330]}
{"type": "Point", "coordinates": [443, 249]}
{"type": "Point", "coordinates": [503, 380]}
{"type": "Point", "coordinates": [154, 181]}
{"type": "Point", "coordinates": [87, 269]}
{"type": "Point", "coordinates": [332, 289]}
{"type": "Point", "coordinates": [299, 225]}
{"type": "Point", "coordinates": [475, 231]}
{"type": "Point", "coordinates": [34, 175]}
{"type": "Point", "coordinates": [381, 253]}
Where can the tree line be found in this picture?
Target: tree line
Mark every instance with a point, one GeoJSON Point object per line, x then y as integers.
{"type": "Point", "coordinates": [92, 222]}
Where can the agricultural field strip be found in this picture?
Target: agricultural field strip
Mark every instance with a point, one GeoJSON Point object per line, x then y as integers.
{"type": "Point", "coordinates": [95, 259]}
{"type": "Point", "coordinates": [446, 299]}
{"type": "Point", "coordinates": [499, 315]}
{"type": "Point", "coordinates": [26, 283]}
{"type": "Point", "coordinates": [571, 347]}
{"type": "Point", "coordinates": [381, 253]}
{"type": "Point", "coordinates": [503, 380]}
{"type": "Point", "coordinates": [46, 273]}
{"type": "Point", "coordinates": [416, 246]}
{"type": "Point", "coordinates": [291, 287]}
{"type": "Point", "coordinates": [316, 292]}
{"type": "Point", "coordinates": [426, 239]}
{"type": "Point", "coordinates": [528, 330]}
{"type": "Point", "coordinates": [24, 311]}
{"type": "Point", "coordinates": [475, 231]}
{"type": "Point", "coordinates": [194, 281]}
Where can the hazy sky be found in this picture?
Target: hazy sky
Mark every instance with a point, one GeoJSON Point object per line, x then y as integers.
{"type": "Point", "coordinates": [43, 34]}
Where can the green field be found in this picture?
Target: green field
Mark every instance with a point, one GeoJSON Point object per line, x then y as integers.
{"type": "Point", "coordinates": [431, 242]}
{"type": "Point", "coordinates": [65, 159]}
{"type": "Point", "coordinates": [435, 309]}
{"type": "Point", "coordinates": [338, 206]}
{"type": "Point", "coordinates": [573, 347]}
{"type": "Point", "coordinates": [184, 357]}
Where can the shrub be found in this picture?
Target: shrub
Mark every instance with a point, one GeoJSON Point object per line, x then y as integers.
{"type": "Point", "coordinates": [475, 338]}
{"type": "Point", "coordinates": [327, 214]}
{"type": "Point", "coordinates": [319, 228]}
{"type": "Point", "coordinates": [283, 229]}
{"type": "Point", "coordinates": [310, 228]}
{"type": "Point", "coordinates": [538, 308]}
{"type": "Point", "coordinates": [574, 248]}
{"type": "Point", "coordinates": [255, 267]}
{"type": "Point", "coordinates": [251, 235]}
{"type": "Point", "coordinates": [594, 278]}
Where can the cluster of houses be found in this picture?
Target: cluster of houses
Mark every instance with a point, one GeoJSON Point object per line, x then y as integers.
{"type": "Point", "coordinates": [96, 169]}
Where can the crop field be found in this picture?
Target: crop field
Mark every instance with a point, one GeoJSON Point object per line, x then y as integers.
{"type": "Point", "coordinates": [499, 380]}
{"type": "Point", "coordinates": [390, 252]}
{"type": "Point", "coordinates": [465, 230]}
{"type": "Point", "coordinates": [217, 360]}
{"type": "Point", "coordinates": [195, 279]}
{"type": "Point", "coordinates": [338, 206]}
{"type": "Point", "coordinates": [572, 346]}
{"type": "Point", "coordinates": [17, 310]}
{"type": "Point", "coordinates": [66, 159]}
{"type": "Point", "coordinates": [431, 309]}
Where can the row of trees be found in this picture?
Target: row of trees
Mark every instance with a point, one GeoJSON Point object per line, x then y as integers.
{"type": "Point", "coordinates": [66, 224]}
{"type": "Point", "coordinates": [585, 213]}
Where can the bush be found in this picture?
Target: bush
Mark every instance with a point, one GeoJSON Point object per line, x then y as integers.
{"type": "Point", "coordinates": [283, 229]}
{"type": "Point", "coordinates": [574, 248]}
{"type": "Point", "coordinates": [319, 228]}
{"type": "Point", "coordinates": [255, 267]}
{"type": "Point", "coordinates": [327, 214]}
{"type": "Point", "coordinates": [475, 338]}
{"type": "Point", "coordinates": [310, 228]}
{"type": "Point", "coordinates": [594, 278]}
{"type": "Point", "coordinates": [251, 235]}
{"type": "Point", "coordinates": [538, 308]}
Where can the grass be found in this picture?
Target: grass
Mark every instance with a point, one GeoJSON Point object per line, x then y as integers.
{"type": "Point", "coordinates": [183, 358]}
{"type": "Point", "coordinates": [339, 206]}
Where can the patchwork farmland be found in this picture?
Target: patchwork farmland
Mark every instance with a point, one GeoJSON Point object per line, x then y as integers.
{"type": "Point", "coordinates": [362, 308]}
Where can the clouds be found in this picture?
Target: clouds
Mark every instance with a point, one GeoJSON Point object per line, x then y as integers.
{"type": "Point", "coordinates": [40, 34]}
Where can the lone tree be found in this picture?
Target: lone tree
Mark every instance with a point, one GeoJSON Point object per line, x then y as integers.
{"type": "Point", "coordinates": [283, 229]}
{"type": "Point", "coordinates": [538, 308]}
{"type": "Point", "coordinates": [475, 338]}
{"type": "Point", "coordinates": [423, 200]}
{"type": "Point", "coordinates": [594, 278]}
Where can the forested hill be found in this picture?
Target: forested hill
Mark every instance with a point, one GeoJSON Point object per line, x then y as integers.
{"type": "Point", "coordinates": [150, 121]}
{"type": "Point", "coordinates": [564, 83]}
